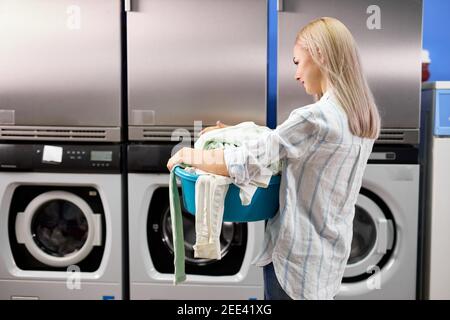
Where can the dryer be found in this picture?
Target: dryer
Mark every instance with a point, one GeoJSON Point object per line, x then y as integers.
{"type": "Point", "coordinates": [150, 241]}
{"type": "Point", "coordinates": [393, 71]}
{"type": "Point", "coordinates": [60, 221]}
{"type": "Point", "coordinates": [61, 70]}
{"type": "Point", "coordinates": [383, 258]}
{"type": "Point", "coordinates": [227, 74]}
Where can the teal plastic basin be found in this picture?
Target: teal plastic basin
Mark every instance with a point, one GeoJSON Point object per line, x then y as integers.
{"type": "Point", "coordinates": [264, 205]}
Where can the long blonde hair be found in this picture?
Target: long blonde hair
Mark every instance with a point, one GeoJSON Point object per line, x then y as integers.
{"type": "Point", "coordinates": [333, 48]}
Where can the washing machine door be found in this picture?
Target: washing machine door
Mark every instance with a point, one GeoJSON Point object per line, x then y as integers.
{"type": "Point", "coordinates": [58, 228]}
{"type": "Point", "coordinates": [233, 241]}
{"type": "Point", "coordinates": [373, 238]}
{"type": "Point", "coordinates": [226, 237]}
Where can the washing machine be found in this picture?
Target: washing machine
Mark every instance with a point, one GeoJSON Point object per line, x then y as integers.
{"type": "Point", "coordinates": [383, 258]}
{"type": "Point", "coordinates": [151, 246]}
{"type": "Point", "coordinates": [60, 221]}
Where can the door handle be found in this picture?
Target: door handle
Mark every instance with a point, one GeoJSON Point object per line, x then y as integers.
{"type": "Point", "coordinates": [280, 6]}
{"type": "Point", "coordinates": [97, 229]}
{"type": "Point", "coordinates": [385, 239]}
{"type": "Point", "coordinates": [127, 5]}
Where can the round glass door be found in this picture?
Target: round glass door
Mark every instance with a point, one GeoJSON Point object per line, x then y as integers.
{"type": "Point", "coordinates": [364, 236]}
{"type": "Point", "coordinates": [233, 240]}
{"type": "Point", "coordinates": [58, 228]}
{"type": "Point", "coordinates": [373, 237]}
{"type": "Point", "coordinates": [226, 237]}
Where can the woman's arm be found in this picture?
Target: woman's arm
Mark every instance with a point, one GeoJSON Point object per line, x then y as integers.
{"type": "Point", "coordinates": [207, 160]}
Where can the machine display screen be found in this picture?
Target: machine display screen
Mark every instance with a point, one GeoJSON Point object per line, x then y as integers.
{"type": "Point", "coordinates": [101, 156]}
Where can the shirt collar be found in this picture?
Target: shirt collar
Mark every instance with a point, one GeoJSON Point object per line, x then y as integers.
{"type": "Point", "coordinates": [326, 96]}
{"type": "Point", "coordinates": [329, 96]}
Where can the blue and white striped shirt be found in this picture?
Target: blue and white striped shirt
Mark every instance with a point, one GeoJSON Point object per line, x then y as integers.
{"type": "Point", "coordinates": [309, 240]}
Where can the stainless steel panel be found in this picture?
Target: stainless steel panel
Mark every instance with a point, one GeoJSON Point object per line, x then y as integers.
{"type": "Point", "coordinates": [60, 62]}
{"type": "Point", "coordinates": [391, 56]}
{"type": "Point", "coordinates": [40, 133]}
{"type": "Point", "coordinates": [163, 133]}
{"type": "Point", "coordinates": [196, 60]}
{"type": "Point", "coordinates": [399, 136]}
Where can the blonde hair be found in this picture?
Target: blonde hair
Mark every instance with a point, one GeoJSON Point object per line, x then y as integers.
{"type": "Point", "coordinates": [333, 48]}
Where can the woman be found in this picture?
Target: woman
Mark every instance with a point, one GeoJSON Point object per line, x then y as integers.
{"type": "Point", "coordinates": [324, 148]}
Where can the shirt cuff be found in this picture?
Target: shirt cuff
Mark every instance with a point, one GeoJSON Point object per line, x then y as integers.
{"type": "Point", "coordinates": [235, 161]}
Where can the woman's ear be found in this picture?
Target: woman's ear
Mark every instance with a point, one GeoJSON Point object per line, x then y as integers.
{"type": "Point", "coordinates": [321, 57]}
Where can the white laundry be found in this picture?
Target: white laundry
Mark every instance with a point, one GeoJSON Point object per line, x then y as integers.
{"type": "Point", "coordinates": [235, 136]}
{"type": "Point", "coordinates": [210, 192]}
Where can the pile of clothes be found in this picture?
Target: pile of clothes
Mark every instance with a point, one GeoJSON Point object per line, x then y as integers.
{"type": "Point", "coordinates": [210, 192]}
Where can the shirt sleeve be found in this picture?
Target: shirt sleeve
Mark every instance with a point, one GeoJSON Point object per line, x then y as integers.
{"type": "Point", "coordinates": [291, 139]}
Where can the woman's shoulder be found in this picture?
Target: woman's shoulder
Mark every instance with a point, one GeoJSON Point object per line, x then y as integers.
{"type": "Point", "coordinates": [322, 118]}
{"type": "Point", "coordinates": [305, 108]}
{"type": "Point", "coordinates": [309, 112]}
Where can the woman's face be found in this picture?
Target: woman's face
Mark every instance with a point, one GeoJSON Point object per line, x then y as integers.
{"type": "Point", "coordinates": [308, 72]}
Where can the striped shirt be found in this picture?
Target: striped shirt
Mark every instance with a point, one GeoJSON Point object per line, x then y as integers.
{"type": "Point", "coordinates": [309, 240]}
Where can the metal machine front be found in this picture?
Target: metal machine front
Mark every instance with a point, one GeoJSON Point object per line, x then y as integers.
{"type": "Point", "coordinates": [61, 70]}
{"type": "Point", "coordinates": [54, 225]}
{"type": "Point", "coordinates": [389, 36]}
{"type": "Point", "coordinates": [201, 60]}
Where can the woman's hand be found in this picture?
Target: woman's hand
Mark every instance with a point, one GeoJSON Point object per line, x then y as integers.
{"type": "Point", "coordinates": [211, 161]}
{"type": "Point", "coordinates": [219, 125]}
{"type": "Point", "coordinates": [178, 158]}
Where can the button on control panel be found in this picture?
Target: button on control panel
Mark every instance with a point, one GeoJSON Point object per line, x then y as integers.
{"type": "Point", "coordinates": [75, 154]}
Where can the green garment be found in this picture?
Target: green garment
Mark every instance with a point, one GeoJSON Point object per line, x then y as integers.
{"type": "Point", "coordinates": [177, 229]}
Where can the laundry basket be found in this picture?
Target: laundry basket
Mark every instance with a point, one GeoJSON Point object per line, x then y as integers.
{"type": "Point", "coordinates": [264, 203]}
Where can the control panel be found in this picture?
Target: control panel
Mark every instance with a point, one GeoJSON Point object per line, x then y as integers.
{"type": "Point", "coordinates": [60, 158]}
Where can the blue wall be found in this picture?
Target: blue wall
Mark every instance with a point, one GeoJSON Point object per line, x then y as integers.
{"type": "Point", "coordinates": [436, 37]}
{"type": "Point", "coordinates": [272, 48]}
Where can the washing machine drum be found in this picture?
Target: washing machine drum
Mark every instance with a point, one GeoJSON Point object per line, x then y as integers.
{"type": "Point", "coordinates": [58, 228]}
